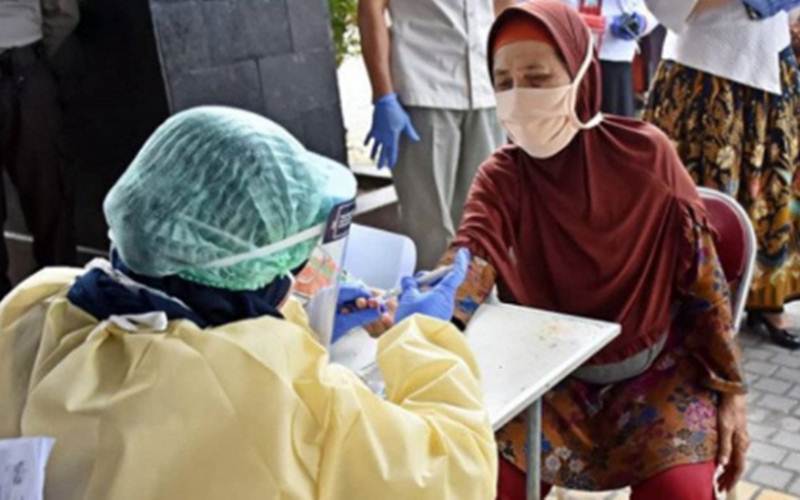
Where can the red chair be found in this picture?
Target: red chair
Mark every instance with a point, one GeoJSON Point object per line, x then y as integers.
{"type": "Point", "coordinates": [735, 243]}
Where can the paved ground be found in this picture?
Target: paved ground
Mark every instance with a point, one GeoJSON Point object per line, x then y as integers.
{"type": "Point", "coordinates": [774, 377]}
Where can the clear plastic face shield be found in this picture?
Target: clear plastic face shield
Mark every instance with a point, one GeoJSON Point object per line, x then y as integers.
{"type": "Point", "coordinates": [317, 285]}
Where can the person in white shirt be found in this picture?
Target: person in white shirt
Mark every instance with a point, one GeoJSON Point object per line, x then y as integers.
{"type": "Point", "coordinates": [626, 22]}
{"type": "Point", "coordinates": [434, 121]}
{"type": "Point", "coordinates": [727, 93]}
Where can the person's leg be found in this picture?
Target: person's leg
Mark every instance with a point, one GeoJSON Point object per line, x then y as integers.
{"type": "Point", "coordinates": [687, 482]}
{"type": "Point", "coordinates": [769, 172]}
{"type": "Point", "coordinates": [618, 98]}
{"type": "Point", "coordinates": [7, 117]}
{"type": "Point", "coordinates": [423, 178]}
{"type": "Point", "coordinates": [742, 141]}
{"type": "Point", "coordinates": [37, 168]}
{"type": "Point", "coordinates": [481, 135]}
{"type": "Point", "coordinates": [511, 482]}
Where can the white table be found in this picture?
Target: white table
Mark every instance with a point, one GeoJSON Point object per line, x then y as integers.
{"type": "Point", "coordinates": [522, 353]}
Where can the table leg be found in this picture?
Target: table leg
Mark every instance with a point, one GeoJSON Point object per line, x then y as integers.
{"type": "Point", "coordinates": [534, 477]}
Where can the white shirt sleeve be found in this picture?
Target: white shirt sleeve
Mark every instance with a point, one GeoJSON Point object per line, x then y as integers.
{"type": "Point", "coordinates": [652, 21]}
{"type": "Point", "coordinates": [672, 13]}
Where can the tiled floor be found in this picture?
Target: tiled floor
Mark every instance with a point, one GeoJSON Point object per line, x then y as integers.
{"type": "Point", "coordinates": [774, 415]}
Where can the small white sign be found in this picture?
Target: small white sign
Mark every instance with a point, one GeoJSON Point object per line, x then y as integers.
{"type": "Point", "coordinates": [22, 467]}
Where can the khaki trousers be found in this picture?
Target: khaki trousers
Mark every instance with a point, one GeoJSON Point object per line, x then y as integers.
{"type": "Point", "coordinates": [433, 176]}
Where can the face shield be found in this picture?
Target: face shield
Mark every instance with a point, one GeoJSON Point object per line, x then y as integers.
{"type": "Point", "coordinates": [317, 285]}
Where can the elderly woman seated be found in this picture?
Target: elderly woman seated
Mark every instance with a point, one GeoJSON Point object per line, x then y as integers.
{"type": "Point", "coordinates": [179, 370]}
{"type": "Point", "coordinates": [595, 216]}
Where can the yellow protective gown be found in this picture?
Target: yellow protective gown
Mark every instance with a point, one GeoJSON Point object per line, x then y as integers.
{"type": "Point", "coordinates": [249, 410]}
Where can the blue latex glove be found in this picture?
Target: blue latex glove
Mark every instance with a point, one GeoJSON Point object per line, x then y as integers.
{"type": "Point", "coordinates": [354, 318]}
{"type": "Point", "coordinates": [389, 121]}
{"type": "Point", "coordinates": [768, 8]}
{"type": "Point", "coordinates": [439, 302]}
{"type": "Point", "coordinates": [628, 26]}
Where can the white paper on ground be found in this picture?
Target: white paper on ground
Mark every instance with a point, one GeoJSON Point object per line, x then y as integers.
{"type": "Point", "coordinates": [22, 467]}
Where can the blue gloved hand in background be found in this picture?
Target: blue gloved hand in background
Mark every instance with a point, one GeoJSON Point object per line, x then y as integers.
{"type": "Point", "coordinates": [355, 307]}
{"type": "Point", "coordinates": [628, 26]}
{"type": "Point", "coordinates": [389, 121]}
{"type": "Point", "coordinates": [768, 8]}
{"type": "Point", "coordinates": [439, 302]}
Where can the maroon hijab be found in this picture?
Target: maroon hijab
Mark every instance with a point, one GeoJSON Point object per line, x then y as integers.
{"type": "Point", "coordinates": [598, 230]}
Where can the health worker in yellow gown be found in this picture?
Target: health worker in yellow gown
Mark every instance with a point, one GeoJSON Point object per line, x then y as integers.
{"type": "Point", "coordinates": [178, 368]}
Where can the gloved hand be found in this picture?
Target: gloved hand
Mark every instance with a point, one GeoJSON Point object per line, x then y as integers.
{"type": "Point", "coordinates": [389, 120]}
{"type": "Point", "coordinates": [439, 302]}
{"type": "Point", "coordinates": [768, 8]}
{"type": "Point", "coordinates": [355, 307]}
{"type": "Point", "coordinates": [628, 26]}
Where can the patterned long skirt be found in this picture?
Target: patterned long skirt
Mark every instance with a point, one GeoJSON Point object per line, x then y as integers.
{"type": "Point", "coordinates": [602, 438]}
{"type": "Point", "coordinates": [743, 142]}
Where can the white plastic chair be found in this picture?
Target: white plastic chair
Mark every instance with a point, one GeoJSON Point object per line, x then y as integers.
{"type": "Point", "coordinates": [379, 258]}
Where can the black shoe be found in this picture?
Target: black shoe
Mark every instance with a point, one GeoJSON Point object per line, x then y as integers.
{"type": "Point", "coordinates": [783, 337]}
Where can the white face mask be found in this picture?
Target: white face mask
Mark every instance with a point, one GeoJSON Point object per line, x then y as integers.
{"type": "Point", "coordinates": [543, 121]}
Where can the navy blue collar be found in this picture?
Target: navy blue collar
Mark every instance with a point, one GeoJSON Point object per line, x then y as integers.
{"type": "Point", "coordinates": [101, 295]}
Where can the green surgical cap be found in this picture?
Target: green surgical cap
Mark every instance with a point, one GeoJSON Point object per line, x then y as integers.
{"type": "Point", "coordinates": [215, 182]}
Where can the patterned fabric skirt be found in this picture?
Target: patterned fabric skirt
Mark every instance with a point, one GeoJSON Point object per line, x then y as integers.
{"type": "Point", "coordinates": [601, 438]}
{"type": "Point", "coordinates": [743, 142]}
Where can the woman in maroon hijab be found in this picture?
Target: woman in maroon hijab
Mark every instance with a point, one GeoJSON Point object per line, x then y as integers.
{"type": "Point", "coordinates": [596, 216]}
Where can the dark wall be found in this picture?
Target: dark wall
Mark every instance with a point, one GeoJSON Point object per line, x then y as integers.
{"type": "Point", "coordinates": [273, 57]}
{"type": "Point", "coordinates": [131, 63]}
{"type": "Point", "coordinates": [113, 96]}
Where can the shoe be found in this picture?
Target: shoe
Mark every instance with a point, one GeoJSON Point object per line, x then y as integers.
{"type": "Point", "coordinates": [790, 339]}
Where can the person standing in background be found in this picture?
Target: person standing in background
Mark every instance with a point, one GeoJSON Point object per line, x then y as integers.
{"type": "Point", "coordinates": [31, 31]}
{"type": "Point", "coordinates": [727, 93]}
{"type": "Point", "coordinates": [434, 121]}
{"type": "Point", "coordinates": [627, 21]}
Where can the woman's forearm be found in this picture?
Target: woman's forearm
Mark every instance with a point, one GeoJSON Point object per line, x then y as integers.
{"type": "Point", "coordinates": [711, 338]}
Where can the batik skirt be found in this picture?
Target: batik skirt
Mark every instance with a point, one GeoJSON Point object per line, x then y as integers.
{"type": "Point", "coordinates": [744, 142]}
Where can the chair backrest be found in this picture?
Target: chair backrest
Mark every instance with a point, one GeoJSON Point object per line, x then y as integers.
{"type": "Point", "coordinates": [379, 258]}
{"type": "Point", "coordinates": [735, 244]}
